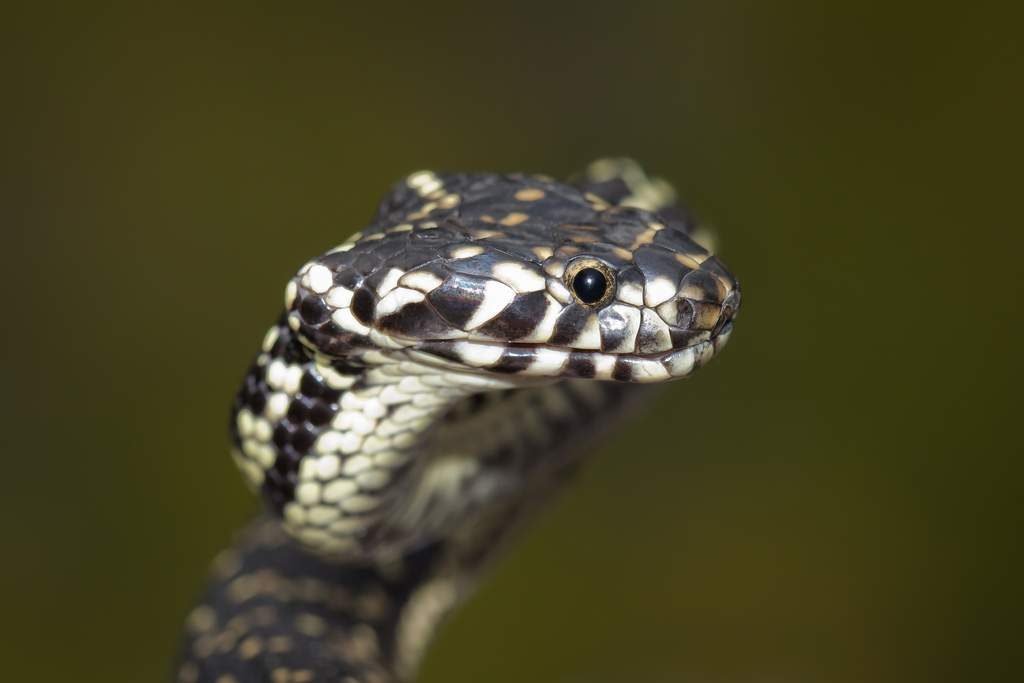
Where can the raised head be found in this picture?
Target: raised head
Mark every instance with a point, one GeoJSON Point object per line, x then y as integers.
{"type": "Point", "coordinates": [518, 275]}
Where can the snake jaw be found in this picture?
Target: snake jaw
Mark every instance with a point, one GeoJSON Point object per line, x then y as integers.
{"type": "Point", "coordinates": [619, 342]}
{"type": "Point", "coordinates": [538, 361]}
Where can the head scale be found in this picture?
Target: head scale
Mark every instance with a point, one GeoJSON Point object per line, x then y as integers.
{"type": "Point", "coordinates": [521, 276]}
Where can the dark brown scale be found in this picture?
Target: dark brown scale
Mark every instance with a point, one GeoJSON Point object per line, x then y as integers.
{"type": "Point", "coordinates": [580, 365]}
{"type": "Point", "coordinates": [277, 489]}
{"type": "Point", "coordinates": [257, 402]}
{"type": "Point", "coordinates": [715, 267]}
{"type": "Point", "coordinates": [337, 260]}
{"type": "Point", "coordinates": [283, 434]}
{"type": "Point", "coordinates": [321, 413]}
{"type": "Point", "coordinates": [313, 310]}
{"type": "Point", "coordinates": [519, 252]}
{"type": "Point", "coordinates": [704, 281]}
{"type": "Point", "coordinates": [365, 263]}
{"type": "Point", "coordinates": [621, 232]}
{"type": "Point", "coordinates": [304, 437]}
{"type": "Point", "coordinates": [292, 352]}
{"type": "Point", "coordinates": [622, 372]}
{"type": "Point", "coordinates": [481, 265]}
{"type": "Point", "coordinates": [655, 262]}
{"type": "Point", "coordinates": [458, 298]}
{"type": "Point", "coordinates": [613, 326]}
{"type": "Point", "coordinates": [297, 410]}
{"type": "Point", "coordinates": [293, 436]}
{"type": "Point", "coordinates": [417, 318]}
{"type": "Point", "coordinates": [287, 462]}
{"type": "Point", "coordinates": [683, 337]}
{"type": "Point", "coordinates": [519, 318]}
{"type": "Point", "coordinates": [347, 277]}
{"type": "Point", "coordinates": [331, 396]}
{"type": "Point", "coordinates": [434, 238]}
{"type": "Point", "coordinates": [330, 330]}
{"type": "Point", "coordinates": [647, 340]}
{"type": "Point", "coordinates": [387, 250]}
{"type": "Point", "coordinates": [363, 302]}
{"type": "Point", "coordinates": [311, 385]}
{"type": "Point", "coordinates": [568, 325]}
{"type": "Point", "coordinates": [253, 392]}
{"type": "Point", "coordinates": [439, 349]}
{"type": "Point", "coordinates": [346, 367]}
{"type": "Point", "coordinates": [676, 239]}
{"type": "Point", "coordinates": [630, 276]}
{"type": "Point", "coordinates": [514, 360]}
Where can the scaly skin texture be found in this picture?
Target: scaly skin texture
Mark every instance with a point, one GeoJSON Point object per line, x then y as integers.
{"type": "Point", "coordinates": [431, 380]}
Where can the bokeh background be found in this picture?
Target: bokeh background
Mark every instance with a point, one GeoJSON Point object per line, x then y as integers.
{"type": "Point", "coordinates": [835, 499]}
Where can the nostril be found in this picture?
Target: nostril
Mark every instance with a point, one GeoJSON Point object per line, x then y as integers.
{"type": "Point", "coordinates": [731, 303]}
{"type": "Point", "coordinates": [730, 306]}
{"type": "Point", "coordinates": [677, 313]}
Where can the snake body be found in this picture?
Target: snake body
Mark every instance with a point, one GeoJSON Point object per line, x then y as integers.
{"type": "Point", "coordinates": [430, 382]}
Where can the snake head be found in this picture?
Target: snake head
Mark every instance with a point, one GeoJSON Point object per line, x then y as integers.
{"type": "Point", "coordinates": [522, 276]}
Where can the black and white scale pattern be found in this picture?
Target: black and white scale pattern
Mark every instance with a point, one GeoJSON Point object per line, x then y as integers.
{"type": "Point", "coordinates": [432, 374]}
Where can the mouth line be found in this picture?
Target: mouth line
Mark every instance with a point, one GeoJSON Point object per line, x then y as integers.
{"type": "Point", "coordinates": [538, 360]}
{"type": "Point", "coordinates": [513, 345]}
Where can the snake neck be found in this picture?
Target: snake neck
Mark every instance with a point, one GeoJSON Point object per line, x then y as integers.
{"type": "Point", "coordinates": [402, 479]}
{"type": "Point", "coordinates": [371, 456]}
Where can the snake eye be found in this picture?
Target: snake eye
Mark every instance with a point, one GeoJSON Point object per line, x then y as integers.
{"type": "Point", "coordinates": [589, 285]}
{"type": "Point", "coordinates": [592, 282]}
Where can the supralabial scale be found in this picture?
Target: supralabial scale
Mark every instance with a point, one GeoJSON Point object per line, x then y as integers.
{"type": "Point", "coordinates": [431, 381]}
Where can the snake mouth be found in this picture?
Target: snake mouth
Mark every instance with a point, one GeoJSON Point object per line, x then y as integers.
{"type": "Point", "coordinates": [545, 361]}
{"type": "Point", "coordinates": [690, 347]}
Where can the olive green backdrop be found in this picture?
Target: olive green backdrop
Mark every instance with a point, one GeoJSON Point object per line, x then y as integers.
{"type": "Point", "coordinates": [834, 499]}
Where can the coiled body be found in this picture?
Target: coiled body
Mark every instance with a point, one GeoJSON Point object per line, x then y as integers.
{"type": "Point", "coordinates": [430, 382]}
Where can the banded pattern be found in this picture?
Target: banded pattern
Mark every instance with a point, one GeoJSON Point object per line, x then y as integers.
{"type": "Point", "coordinates": [429, 379]}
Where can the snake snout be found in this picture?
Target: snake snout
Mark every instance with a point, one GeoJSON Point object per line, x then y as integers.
{"type": "Point", "coordinates": [730, 307]}
{"type": "Point", "coordinates": [705, 303]}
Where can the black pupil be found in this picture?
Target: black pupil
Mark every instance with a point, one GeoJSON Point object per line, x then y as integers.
{"type": "Point", "coordinates": [589, 285]}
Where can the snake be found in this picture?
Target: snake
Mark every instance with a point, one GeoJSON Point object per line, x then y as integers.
{"type": "Point", "coordinates": [429, 384]}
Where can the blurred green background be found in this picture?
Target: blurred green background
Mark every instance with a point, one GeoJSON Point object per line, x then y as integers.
{"type": "Point", "coordinates": [841, 502]}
